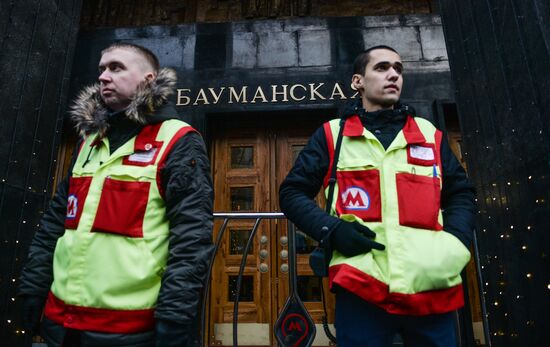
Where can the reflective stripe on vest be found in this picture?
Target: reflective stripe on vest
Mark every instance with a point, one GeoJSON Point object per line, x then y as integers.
{"type": "Point", "coordinates": [109, 263]}
{"type": "Point", "coordinates": [396, 193]}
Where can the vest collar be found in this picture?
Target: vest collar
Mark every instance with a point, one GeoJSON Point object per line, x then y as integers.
{"type": "Point", "coordinates": [411, 131]}
{"type": "Point", "coordinates": [145, 141]}
{"type": "Point", "coordinates": [353, 126]}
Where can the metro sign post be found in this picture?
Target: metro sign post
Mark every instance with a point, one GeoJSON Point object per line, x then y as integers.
{"type": "Point", "coordinates": [294, 326]}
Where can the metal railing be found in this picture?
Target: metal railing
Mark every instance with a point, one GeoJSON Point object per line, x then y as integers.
{"type": "Point", "coordinates": [226, 217]}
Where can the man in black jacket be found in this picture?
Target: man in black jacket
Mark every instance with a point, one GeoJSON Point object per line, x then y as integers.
{"type": "Point", "coordinates": [380, 221]}
{"type": "Point", "coordinates": [155, 207]}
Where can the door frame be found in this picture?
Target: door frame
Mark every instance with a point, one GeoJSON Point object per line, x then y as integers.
{"type": "Point", "coordinates": [271, 122]}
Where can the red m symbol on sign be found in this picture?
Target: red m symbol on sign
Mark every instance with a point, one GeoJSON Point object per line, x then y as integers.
{"type": "Point", "coordinates": [294, 326]}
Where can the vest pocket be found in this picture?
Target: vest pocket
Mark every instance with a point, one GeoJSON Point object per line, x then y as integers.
{"type": "Point", "coordinates": [359, 194]}
{"type": "Point", "coordinates": [78, 190]}
{"type": "Point", "coordinates": [418, 199]}
{"type": "Point", "coordinates": [122, 208]}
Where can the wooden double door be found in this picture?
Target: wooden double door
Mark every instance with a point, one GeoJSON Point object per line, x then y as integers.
{"type": "Point", "coordinates": [250, 159]}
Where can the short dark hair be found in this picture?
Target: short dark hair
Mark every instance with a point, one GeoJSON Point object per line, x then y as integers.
{"type": "Point", "coordinates": [361, 61]}
{"type": "Point", "coordinates": [144, 52]}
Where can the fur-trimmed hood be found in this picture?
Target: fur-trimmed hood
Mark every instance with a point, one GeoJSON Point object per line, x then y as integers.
{"type": "Point", "coordinates": [90, 114]}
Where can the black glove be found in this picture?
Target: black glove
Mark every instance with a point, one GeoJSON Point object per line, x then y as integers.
{"type": "Point", "coordinates": [171, 334]}
{"type": "Point", "coordinates": [352, 239]}
{"type": "Point", "coordinates": [31, 312]}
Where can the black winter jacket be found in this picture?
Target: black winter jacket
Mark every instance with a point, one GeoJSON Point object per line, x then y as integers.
{"type": "Point", "coordinates": [187, 183]}
{"type": "Point", "coordinates": [305, 179]}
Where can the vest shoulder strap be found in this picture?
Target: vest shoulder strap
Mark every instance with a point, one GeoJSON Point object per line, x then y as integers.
{"type": "Point", "coordinates": [181, 129]}
{"type": "Point", "coordinates": [334, 153]}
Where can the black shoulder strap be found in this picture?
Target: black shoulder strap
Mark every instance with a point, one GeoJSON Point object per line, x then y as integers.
{"type": "Point", "coordinates": [324, 244]}
{"type": "Point", "coordinates": [332, 179]}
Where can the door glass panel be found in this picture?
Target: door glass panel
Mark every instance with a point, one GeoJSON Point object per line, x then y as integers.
{"type": "Point", "coordinates": [242, 157]}
{"type": "Point", "coordinates": [309, 288]}
{"type": "Point", "coordinates": [304, 243]}
{"type": "Point", "coordinates": [247, 289]}
{"type": "Point", "coordinates": [238, 240]}
{"type": "Point", "coordinates": [242, 198]}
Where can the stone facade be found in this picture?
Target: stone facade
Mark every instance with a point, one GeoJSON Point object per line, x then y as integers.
{"type": "Point", "coordinates": [216, 58]}
{"type": "Point", "coordinates": [113, 13]}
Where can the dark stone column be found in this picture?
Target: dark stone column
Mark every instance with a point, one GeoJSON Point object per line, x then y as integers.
{"type": "Point", "coordinates": [37, 39]}
{"type": "Point", "coordinates": [499, 54]}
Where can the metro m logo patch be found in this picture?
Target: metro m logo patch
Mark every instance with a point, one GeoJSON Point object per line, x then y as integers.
{"type": "Point", "coordinates": [72, 206]}
{"type": "Point", "coordinates": [355, 198]}
{"type": "Point", "coordinates": [359, 194]}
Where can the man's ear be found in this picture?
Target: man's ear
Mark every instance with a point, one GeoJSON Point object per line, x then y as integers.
{"type": "Point", "coordinates": [357, 82]}
{"type": "Point", "coordinates": [150, 76]}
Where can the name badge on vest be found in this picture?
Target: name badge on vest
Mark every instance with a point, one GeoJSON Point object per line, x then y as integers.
{"type": "Point", "coordinates": [421, 154]}
{"type": "Point", "coordinates": [424, 153]}
{"type": "Point", "coordinates": [142, 158]}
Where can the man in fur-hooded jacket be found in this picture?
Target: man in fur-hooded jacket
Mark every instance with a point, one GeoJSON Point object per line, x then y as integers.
{"type": "Point", "coordinates": [122, 253]}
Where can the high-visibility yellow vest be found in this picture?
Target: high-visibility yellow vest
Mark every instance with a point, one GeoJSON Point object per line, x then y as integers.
{"type": "Point", "coordinates": [396, 193]}
{"type": "Point", "coordinates": [109, 263]}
